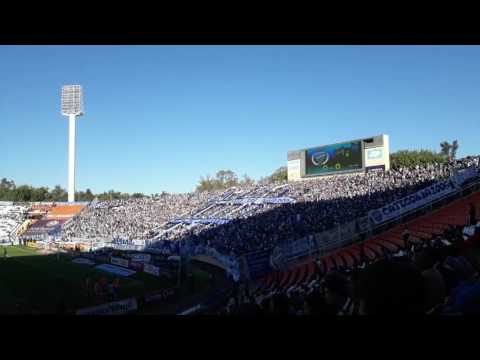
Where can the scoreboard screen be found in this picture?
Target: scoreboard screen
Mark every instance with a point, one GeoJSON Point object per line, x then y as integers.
{"type": "Point", "coordinates": [332, 158]}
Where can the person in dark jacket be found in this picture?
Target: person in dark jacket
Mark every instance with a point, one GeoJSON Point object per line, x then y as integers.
{"type": "Point", "coordinates": [336, 287]}
{"type": "Point", "coordinates": [391, 287]}
{"type": "Point", "coordinates": [473, 214]}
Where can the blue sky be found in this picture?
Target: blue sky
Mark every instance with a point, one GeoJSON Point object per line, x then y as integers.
{"type": "Point", "coordinates": [159, 117]}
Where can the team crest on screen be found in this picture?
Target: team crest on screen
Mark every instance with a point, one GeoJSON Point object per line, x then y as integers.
{"type": "Point", "coordinates": [320, 158]}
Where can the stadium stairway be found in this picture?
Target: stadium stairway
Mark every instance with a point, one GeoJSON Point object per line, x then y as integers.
{"type": "Point", "coordinates": [421, 229]}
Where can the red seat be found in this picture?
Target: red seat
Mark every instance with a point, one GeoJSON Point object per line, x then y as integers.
{"type": "Point", "coordinates": [354, 252]}
{"type": "Point", "coordinates": [338, 260]}
{"type": "Point", "coordinates": [374, 247]}
{"type": "Point", "coordinates": [369, 253]}
{"type": "Point", "coordinates": [302, 271]}
{"type": "Point", "coordinates": [387, 244]}
{"type": "Point", "coordinates": [348, 259]}
{"type": "Point", "coordinates": [310, 272]}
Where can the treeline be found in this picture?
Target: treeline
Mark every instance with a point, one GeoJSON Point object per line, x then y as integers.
{"type": "Point", "coordinates": [412, 158]}
{"type": "Point", "coordinates": [10, 192]}
{"type": "Point", "coordinates": [224, 179]}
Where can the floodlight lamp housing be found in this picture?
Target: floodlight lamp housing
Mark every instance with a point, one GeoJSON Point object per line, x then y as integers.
{"type": "Point", "coordinates": [72, 100]}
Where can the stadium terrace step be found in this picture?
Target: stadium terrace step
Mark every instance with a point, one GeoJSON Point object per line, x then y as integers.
{"type": "Point", "coordinates": [310, 273]}
{"type": "Point", "coordinates": [293, 277]}
{"type": "Point", "coordinates": [430, 230]}
{"type": "Point", "coordinates": [386, 244]}
{"type": "Point", "coordinates": [301, 274]}
{"type": "Point", "coordinates": [377, 249]}
{"type": "Point", "coordinates": [420, 233]}
{"type": "Point", "coordinates": [269, 281]}
{"type": "Point", "coordinates": [278, 280]}
{"type": "Point", "coordinates": [369, 253]}
{"type": "Point", "coordinates": [348, 258]}
{"type": "Point", "coordinates": [329, 264]}
{"type": "Point", "coordinates": [338, 261]}
{"type": "Point", "coordinates": [274, 281]}
{"type": "Point", "coordinates": [285, 278]}
{"type": "Point", "coordinates": [354, 252]}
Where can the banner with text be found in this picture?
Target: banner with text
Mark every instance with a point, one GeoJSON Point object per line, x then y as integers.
{"type": "Point", "coordinates": [258, 263]}
{"type": "Point", "coordinates": [119, 261]}
{"type": "Point", "coordinates": [113, 308]}
{"type": "Point", "coordinates": [151, 269]}
{"type": "Point", "coordinates": [257, 201]}
{"type": "Point", "coordinates": [141, 257]}
{"type": "Point", "coordinates": [413, 201]}
{"type": "Point", "coordinates": [464, 175]}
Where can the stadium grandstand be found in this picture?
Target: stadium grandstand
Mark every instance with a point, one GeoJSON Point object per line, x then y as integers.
{"type": "Point", "coordinates": [286, 247]}
{"type": "Point", "coordinates": [11, 219]}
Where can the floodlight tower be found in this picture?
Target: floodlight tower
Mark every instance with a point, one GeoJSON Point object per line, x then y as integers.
{"type": "Point", "coordinates": [72, 106]}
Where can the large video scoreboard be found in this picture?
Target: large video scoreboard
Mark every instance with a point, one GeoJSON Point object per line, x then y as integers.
{"type": "Point", "coordinates": [345, 157]}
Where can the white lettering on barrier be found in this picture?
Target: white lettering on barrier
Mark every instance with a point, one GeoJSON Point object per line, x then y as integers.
{"type": "Point", "coordinates": [464, 175]}
{"type": "Point", "coordinates": [151, 269]}
{"type": "Point", "coordinates": [191, 310]}
{"type": "Point", "coordinates": [119, 261]}
{"type": "Point", "coordinates": [141, 257]}
{"type": "Point", "coordinates": [412, 201]}
{"type": "Point", "coordinates": [114, 308]}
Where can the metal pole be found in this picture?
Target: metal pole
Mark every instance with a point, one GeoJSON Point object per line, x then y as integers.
{"type": "Point", "coordinates": [71, 158]}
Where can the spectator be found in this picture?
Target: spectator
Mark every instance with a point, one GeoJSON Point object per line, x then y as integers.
{"type": "Point", "coordinates": [473, 215]}
{"type": "Point", "coordinates": [337, 293]}
{"type": "Point", "coordinates": [390, 287]}
{"type": "Point", "coordinates": [465, 299]}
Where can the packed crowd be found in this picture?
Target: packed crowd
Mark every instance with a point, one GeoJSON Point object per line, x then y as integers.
{"type": "Point", "coordinates": [319, 204]}
{"type": "Point", "coordinates": [440, 277]}
{"type": "Point", "coordinates": [11, 217]}
{"type": "Point", "coordinates": [132, 218]}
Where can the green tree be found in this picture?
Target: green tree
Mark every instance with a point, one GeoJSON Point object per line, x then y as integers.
{"type": "Point", "coordinates": [39, 194]}
{"type": "Point", "coordinates": [23, 193]}
{"type": "Point", "coordinates": [226, 179]}
{"type": "Point", "coordinates": [412, 158]}
{"type": "Point", "coordinates": [246, 180]}
{"type": "Point", "coordinates": [279, 176]}
{"type": "Point", "coordinates": [445, 148]}
{"type": "Point", "coordinates": [58, 194]}
{"type": "Point", "coordinates": [88, 195]}
{"type": "Point", "coordinates": [206, 183]}
{"type": "Point", "coordinates": [453, 150]}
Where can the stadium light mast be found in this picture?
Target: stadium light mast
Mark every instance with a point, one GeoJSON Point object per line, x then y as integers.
{"type": "Point", "coordinates": [72, 106]}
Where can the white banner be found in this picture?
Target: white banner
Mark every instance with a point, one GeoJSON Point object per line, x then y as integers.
{"type": "Point", "coordinates": [126, 247]}
{"type": "Point", "coordinates": [298, 248]}
{"type": "Point", "coordinates": [113, 308]}
{"type": "Point", "coordinates": [117, 270]}
{"type": "Point", "coordinates": [464, 175]}
{"type": "Point", "coordinates": [413, 201]}
{"type": "Point", "coordinates": [151, 269]}
{"type": "Point", "coordinates": [191, 310]}
{"type": "Point", "coordinates": [138, 242]}
{"type": "Point", "coordinates": [141, 257]}
{"type": "Point", "coordinates": [119, 261]}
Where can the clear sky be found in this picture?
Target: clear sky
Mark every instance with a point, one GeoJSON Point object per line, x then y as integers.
{"type": "Point", "coordinates": [158, 117]}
